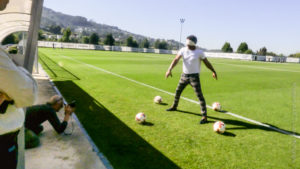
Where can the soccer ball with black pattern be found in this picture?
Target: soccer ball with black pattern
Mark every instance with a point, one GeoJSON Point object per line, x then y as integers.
{"type": "Point", "coordinates": [140, 118]}
{"type": "Point", "coordinates": [216, 106]}
{"type": "Point", "coordinates": [219, 127]}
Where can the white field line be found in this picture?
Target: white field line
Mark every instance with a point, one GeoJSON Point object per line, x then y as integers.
{"type": "Point", "coordinates": [187, 99]}
{"type": "Point", "coordinates": [257, 67]}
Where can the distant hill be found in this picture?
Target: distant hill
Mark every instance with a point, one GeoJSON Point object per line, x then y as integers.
{"type": "Point", "coordinates": [82, 25]}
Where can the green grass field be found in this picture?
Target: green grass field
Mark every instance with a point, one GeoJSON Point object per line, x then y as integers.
{"type": "Point", "coordinates": [107, 105]}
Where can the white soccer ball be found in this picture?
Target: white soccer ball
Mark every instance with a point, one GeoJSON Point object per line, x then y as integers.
{"type": "Point", "coordinates": [219, 127]}
{"type": "Point", "coordinates": [140, 117]}
{"type": "Point", "coordinates": [216, 106]}
{"type": "Point", "coordinates": [157, 99]}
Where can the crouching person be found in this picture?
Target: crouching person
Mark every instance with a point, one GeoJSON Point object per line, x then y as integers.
{"type": "Point", "coordinates": [36, 115]}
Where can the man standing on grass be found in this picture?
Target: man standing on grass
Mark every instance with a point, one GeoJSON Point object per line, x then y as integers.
{"type": "Point", "coordinates": [192, 56]}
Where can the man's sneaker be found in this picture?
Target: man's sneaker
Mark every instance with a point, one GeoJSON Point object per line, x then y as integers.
{"type": "Point", "coordinates": [171, 109]}
{"type": "Point", "coordinates": [203, 120]}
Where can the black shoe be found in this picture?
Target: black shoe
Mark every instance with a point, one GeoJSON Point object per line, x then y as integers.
{"type": "Point", "coordinates": [171, 109]}
{"type": "Point", "coordinates": [203, 120]}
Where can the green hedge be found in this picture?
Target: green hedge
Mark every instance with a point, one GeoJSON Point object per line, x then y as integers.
{"type": "Point", "coordinates": [13, 50]}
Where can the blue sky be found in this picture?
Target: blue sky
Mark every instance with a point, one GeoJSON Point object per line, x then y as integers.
{"type": "Point", "coordinates": [274, 24]}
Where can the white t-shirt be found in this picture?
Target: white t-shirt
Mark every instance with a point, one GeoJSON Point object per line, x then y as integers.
{"type": "Point", "coordinates": [191, 60]}
{"type": "Point", "coordinates": [12, 120]}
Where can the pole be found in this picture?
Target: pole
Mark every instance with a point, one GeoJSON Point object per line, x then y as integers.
{"type": "Point", "coordinates": [36, 12]}
{"type": "Point", "coordinates": [181, 23]}
{"type": "Point", "coordinates": [23, 38]}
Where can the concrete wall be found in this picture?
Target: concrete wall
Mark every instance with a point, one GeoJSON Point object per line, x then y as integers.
{"type": "Point", "coordinates": [229, 55]}
{"type": "Point", "coordinates": [142, 50]}
{"type": "Point", "coordinates": [258, 58]}
{"type": "Point", "coordinates": [292, 60]}
{"type": "Point", "coordinates": [270, 59]}
{"type": "Point", "coordinates": [238, 56]}
{"type": "Point", "coordinates": [102, 47]}
{"type": "Point", "coordinates": [275, 59]}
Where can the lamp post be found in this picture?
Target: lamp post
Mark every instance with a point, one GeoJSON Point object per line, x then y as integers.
{"type": "Point", "coordinates": [181, 23]}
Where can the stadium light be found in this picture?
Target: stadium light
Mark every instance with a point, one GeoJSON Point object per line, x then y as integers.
{"type": "Point", "coordinates": [181, 23]}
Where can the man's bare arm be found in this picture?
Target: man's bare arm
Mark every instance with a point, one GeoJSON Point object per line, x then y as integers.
{"type": "Point", "coordinates": [173, 64]}
{"type": "Point", "coordinates": [209, 66]}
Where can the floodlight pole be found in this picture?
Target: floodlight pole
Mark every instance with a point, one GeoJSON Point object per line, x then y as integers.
{"type": "Point", "coordinates": [181, 23]}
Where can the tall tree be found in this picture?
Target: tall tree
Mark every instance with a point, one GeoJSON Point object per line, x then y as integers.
{"type": "Point", "coordinates": [156, 44]}
{"type": "Point", "coordinates": [262, 51]}
{"type": "Point", "coordinates": [109, 40]}
{"type": "Point", "coordinates": [135, 44]}
{"type": "Point", "coordinates": [163, 45]}
{"type": "Point", "coordinates": [66, 35]}
{"type": "Point", "coordinates": [40, 35]}
{"type": "Point", "coordinates": [242, 48]}
{"type": "Point", "coordinates": [129, 41]}
{"type": "Point", "coordinates": [271, 54]}
{"type": "Point", "coordinates": [94, 39]}
{"type": "Point", "coordinates": [145, 43]}
{"type": "Point", "coordinates": [295, 55]}
{"type": "Point", "coordinates": [85, 39]}
{"type": "Point", "coordinates": [249, 51]}
{"type": "Point", "coordinates": [227, 48]}
{"type": "Point", "coordinates": [54, 29]}
{"type": "Point", "coordinates": [160, 44]}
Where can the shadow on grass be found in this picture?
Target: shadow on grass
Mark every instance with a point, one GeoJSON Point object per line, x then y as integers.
{"type": "Point", "coordinates": [57, 71]}
{"type": "Point", "coordinates": [124, 148]}
{"type": "Point", "coordinates": [226, 133]}
{"type": "Point", "coordinates": [146, 123]}
{"type": "Point", "coordinates": [241, 124]}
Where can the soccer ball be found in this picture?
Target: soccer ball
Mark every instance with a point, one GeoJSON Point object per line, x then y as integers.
{"type": "Point", "coordinates": [140, 117]}
{"type": "Point", "coordinates": [216, 106]}
{"type": "Point", "coordinates": [157, 99]}
{"type": "Point", "coordinates": [219, 127]}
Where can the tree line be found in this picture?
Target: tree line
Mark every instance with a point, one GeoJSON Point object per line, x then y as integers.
{"type": "Point", "coordinates": [243, 48]}
{"type": "Point", "coordinates": [94, 38]}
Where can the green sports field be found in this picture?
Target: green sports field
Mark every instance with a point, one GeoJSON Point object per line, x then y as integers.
{"type": "Point", "coordinates": [112, 87]}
